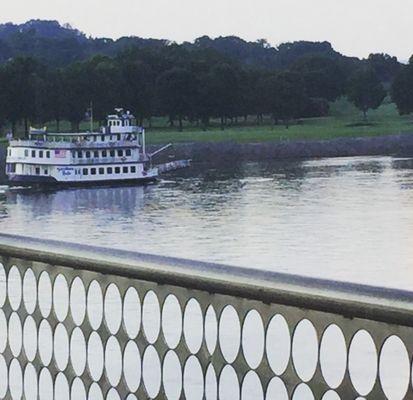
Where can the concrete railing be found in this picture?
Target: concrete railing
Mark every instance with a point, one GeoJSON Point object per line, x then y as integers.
{"type": "Point", "coordinates": [79, 322]}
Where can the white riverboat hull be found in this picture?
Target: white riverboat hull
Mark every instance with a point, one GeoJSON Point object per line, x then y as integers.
{"type": "Point", "coordinates": [24, 182]}
{"type": "Point", "coordinates": [66, 177]}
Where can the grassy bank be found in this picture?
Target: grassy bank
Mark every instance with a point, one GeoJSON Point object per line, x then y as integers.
{"type": "Point", "coordinates": [344, 121]}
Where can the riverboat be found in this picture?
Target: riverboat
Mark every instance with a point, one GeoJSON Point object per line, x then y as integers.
{"type": "Point", "coordinates": [115, 154]}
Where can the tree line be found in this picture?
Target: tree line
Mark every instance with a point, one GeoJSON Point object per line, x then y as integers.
{"type": "Point", "coordinates": [224, 79]}
{"type": "Point", "coordinates": [184, 85]}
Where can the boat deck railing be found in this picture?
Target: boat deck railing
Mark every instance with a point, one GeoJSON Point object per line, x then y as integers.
{"type": "Point", "coordinates": [87, 322]}
{"type": "Point", "coordinates": [73, 145]}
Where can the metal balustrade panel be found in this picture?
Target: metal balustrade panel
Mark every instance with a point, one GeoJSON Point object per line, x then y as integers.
{"type": "Point", "coordinates": [77, 333]}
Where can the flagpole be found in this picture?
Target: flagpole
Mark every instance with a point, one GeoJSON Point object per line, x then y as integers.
{"type": "Point", "coordinates": [91, 117]}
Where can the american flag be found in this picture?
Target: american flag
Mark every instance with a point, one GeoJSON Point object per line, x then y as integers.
{"type": "Point", "coordinates": [60, 153]}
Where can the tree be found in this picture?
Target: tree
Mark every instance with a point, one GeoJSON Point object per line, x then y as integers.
{"type": "Point", "coordinates": [21, 83]}
{"type": "Point", "coordinates": [286, 96]}
{"type": "Point", "coordinates": [385, 66]}
{"type": "Point", "coordinates": [402, 90]}
{"type": "Point", "coordinates": [138, 71]}
{"type": "Point", "coordinates": [53, 98]}
{"type": "Point", "coordinates": [176, 91]}
{"type": "Point", "coordinates": [222, 83]}
{"type": "Point", "coordinates": [94, 81]}
{"type": "Point", "coordinates": [104, 86]}
{"type": "Point", "coordinates": [250, 99]}
{"type": "Point", "coordinates": [77, 89]}
{"type": "Point", "coordinates": [365, 90]}
{"type": "Point", "coordinates": [323, 77]}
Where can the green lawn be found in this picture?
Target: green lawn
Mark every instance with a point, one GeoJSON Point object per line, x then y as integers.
{"type": "Point", "coordinates": [344, 121]}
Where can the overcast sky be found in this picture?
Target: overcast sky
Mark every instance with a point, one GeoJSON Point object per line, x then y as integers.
{"type": "Point", "coordinates": [354, 27]}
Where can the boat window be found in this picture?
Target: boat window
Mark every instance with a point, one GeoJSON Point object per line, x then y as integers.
{"type": "Point", "coordinates": [104, 153]}
{"type": "Point", "coordinates": [46, 172]}
{"type": "Point", "coordinates": [110, 170]}
{"type": "Point", "coordinates": [117, 170]}
{"type": "Point", "coordinates": [33, 153]}
{"type": "Point", "coordinates": [96, 154]}
{"type": "Point", "coordinates": [88, 154]}
{"type": "Point", "coordinates": [73, 154]}
{"type": "Point", "coordinates": [26, 153]}
{"type": "Point", "coordinates": [133, 169]}
{"type": "Point", "coordinates": [112, 153]}
{"type": "Point", "coordinates": [79, 154]}
{"type": "Point", "coordinates": [125, 170]}
{"type": "Point", "coordinates": [101, 171]}
{"type": "Point", "coordinates": [93, 171]}
{"type": "Point", "coordinates": [41, 154]}
{"type": "Point", "coordinates": [85, 171]}
{"type": "Point", "coordinates": [128, 152]}
{"type": "Point", "coordinates": [11, 168]}
{"type": "Point", "coordinates": [118, 137]}
{"type": "Point", "coordinates": [37, 170]}
{"type": "Point", "coordinates": [120, 153]}
{"type": "Point", "coordinates": [47, 154]}
{"type": "Point", "coordinates": [102, 138]}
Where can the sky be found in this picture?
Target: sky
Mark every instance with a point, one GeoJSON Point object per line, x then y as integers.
{"type": "Point", "coordinates": [354, 27]}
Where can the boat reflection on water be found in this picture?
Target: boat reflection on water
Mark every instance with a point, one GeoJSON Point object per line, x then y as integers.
{"type": "Point", "coordinates": [124, 200]}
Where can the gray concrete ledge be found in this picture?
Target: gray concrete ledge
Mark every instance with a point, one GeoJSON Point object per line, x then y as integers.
{"type": "Point", "coordinates": [347, 299]}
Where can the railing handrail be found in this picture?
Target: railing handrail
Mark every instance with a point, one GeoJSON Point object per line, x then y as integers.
{"type": "Point", "coordinates": [73, 145]}
{"type": "Point", "coordinates": [348, 299]}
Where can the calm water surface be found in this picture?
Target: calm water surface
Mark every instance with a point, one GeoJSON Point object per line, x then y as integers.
{"type": "Point", "coordinates": [347, 218]}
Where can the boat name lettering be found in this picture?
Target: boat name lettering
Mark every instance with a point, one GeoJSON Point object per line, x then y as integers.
{"type": "Point", "coordinates": [65, 170]}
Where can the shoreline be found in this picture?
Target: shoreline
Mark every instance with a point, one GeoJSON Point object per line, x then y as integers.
{"type": "Point", "coordinates": [400, 145]}
{"type": "Point", "coordinates": [387, 145]}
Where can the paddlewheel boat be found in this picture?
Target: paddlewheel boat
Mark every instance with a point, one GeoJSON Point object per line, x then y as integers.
{"type": "Point", "coordinates": [115, 154]}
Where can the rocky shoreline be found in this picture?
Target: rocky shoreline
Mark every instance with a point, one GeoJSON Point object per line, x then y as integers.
{"type": "Point", "coordinates": [391, 145]}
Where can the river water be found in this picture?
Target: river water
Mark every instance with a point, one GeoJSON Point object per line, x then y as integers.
{"type": "Point", "coordinates": [349, 219]}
